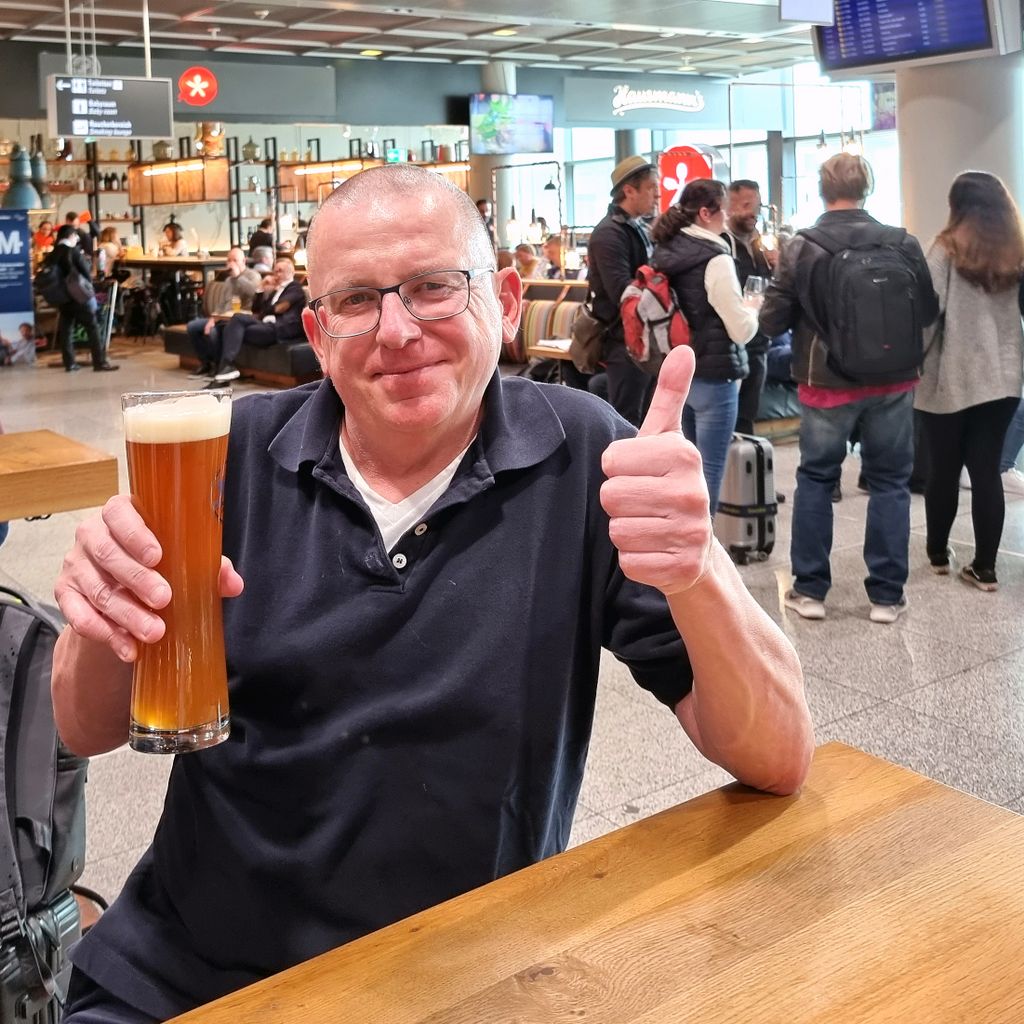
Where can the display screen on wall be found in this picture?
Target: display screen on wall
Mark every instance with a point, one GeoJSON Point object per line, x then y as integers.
{"type": "Point", "coordinates": [870, 33]}
{"type": "Point", "coordinates": [818, 12]}
{"type": "Point", "coordinates": [502, 125]}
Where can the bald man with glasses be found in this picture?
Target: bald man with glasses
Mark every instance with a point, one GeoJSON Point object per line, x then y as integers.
{"type": "Point", "coordinates": [433, 557]}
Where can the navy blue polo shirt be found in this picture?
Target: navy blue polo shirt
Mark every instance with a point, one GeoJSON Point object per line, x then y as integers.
{"type": "Point", "coordinates": [405, 725]}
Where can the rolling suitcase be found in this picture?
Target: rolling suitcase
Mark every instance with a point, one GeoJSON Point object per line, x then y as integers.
{"type": "Point", "coordinates": [745, 521]}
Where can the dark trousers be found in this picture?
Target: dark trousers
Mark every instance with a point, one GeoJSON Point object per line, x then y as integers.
{"type": "Point", "coordinates": [71, 313]}
{"type": "Point", "coordinates": [752, 385]}
{"type": "Point", "coordinates": [973, 438]}
{"type": "Point", "coordinates": [629, 388]}
{"type": "Point", "coordinates": [244, 329]}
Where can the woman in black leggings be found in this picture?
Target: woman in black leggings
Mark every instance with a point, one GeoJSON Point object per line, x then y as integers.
{"type": "Point", "coordinates": [971, 378]}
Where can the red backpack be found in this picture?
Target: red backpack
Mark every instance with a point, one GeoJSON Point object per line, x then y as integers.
{"type": "Point", "coordinates": [652, 321]}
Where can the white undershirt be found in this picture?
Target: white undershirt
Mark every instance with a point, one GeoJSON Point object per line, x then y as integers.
{"type": "Point", "coordinates": [395, 518]}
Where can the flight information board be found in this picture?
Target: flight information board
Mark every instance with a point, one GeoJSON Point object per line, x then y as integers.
{"type": "Point", "coordinates": [109, 108]}
{"type": "Point", "coordinates": [878, 32]}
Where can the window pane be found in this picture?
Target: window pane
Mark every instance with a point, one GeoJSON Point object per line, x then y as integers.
{"type": "Point", "coordinates": [591, 187]}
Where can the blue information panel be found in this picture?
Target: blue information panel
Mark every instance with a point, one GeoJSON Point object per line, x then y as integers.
{"type": "Point", "coordinates": [873, 32]}
{"type": "Point", "coordinates": [16, 306]}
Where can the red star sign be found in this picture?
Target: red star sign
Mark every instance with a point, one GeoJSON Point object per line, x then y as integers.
{"type": "Point", "coordinates": [197, 86]}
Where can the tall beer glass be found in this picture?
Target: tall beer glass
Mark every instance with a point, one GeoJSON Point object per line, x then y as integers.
{"type": "Point", "coordinates": [177, 447]}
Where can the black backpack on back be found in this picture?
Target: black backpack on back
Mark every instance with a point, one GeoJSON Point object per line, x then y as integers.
{"type": "Point", "coordinates": [50, 283]}
{"type": "Point", "coordinates": [42, 827]}
{"type": "Point", "coordinates": [871, 325]}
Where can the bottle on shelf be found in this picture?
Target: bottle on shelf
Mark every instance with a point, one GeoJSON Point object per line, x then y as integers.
{"type": "Point", "coordinates": [124, 181]}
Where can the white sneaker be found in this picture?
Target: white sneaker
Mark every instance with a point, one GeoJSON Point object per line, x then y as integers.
{"type": "Point", "coordinates": [965, 479]}
{"type": "Point", "coordinates": [806, 607]}
{"type": "Point", "coordinates": [888, 612]}
{"type": "Point", "coordinates": [1013, 481]}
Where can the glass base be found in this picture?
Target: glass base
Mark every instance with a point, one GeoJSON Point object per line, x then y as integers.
{"type": "Point", "coordinates": [178, 741]}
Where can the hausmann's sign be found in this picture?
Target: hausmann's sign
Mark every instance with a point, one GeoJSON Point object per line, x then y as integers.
{"type": "Point", "coordinates": [625, 97]}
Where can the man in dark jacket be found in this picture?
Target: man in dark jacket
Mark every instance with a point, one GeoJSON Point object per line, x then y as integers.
{"type": "Point", "coordinates": [833, 405]}
{"type": "Point", "coordinates": [276, 317]}
{"type": "Point", "coordinates": [752, 260]}
{"type": "Point", "coordinates": [618, 245]}
{"type": "Point", "coordinates": [69, 257]}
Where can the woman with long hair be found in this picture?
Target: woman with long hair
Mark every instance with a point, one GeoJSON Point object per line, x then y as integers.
{"type": "Point", "coordinates": [971, 379]}
{"type": "Point", "coordinates": [690, 249]}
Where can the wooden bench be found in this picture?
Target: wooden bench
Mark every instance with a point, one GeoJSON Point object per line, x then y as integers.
{"type": "Point", "coordinates": [285, 365]}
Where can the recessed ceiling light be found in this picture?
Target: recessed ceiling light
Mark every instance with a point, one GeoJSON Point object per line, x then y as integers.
{"type": "Point", "coordinates": [370, 53]}
{"type": "Point", "coordinates": [504, 32]}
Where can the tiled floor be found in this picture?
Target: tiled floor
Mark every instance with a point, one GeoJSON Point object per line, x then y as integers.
{"type": "Point", "coordinates": [941, 691]}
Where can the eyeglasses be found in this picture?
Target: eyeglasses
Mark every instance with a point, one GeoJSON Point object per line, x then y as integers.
{"type": "Point", "coordinates": [440, 294]}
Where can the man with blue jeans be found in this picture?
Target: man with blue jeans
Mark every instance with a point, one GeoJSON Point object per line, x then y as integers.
{"type": "Point", "coordinates": [833, 405]}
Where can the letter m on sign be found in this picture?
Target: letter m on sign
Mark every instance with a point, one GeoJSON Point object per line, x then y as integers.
{"type": "Point", "coordinates": [10, 243]}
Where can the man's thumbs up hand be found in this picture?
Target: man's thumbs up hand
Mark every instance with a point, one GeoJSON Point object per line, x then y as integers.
{"type": "Point", "coordinates": [655, 495]}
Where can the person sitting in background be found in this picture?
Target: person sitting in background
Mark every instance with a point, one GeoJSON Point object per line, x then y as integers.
{"type": "Point", "coordinates": [506, 259]}
{"type": "Point", "coordinates": [486, 211]}
{"type": "Point", "coordinates": [262, 259]}
{"type": "Point", "coordinates": [276, 317]}
{"type": "Point", "coordinates": [236, 284]}
{"type": "Point", "coordinates": [43, 237]}
{"type": "Point", "coordinates": [21, 350]}
{"type": "Point", "coordinates": [262, 237]}
{"type": "Point", "coordinates": [173, 244]}
{"type": "Point", "coordinates": [528, 263]}
{"type": "Point", "coordinates": [109, 251]}
{"type": "Point", "coordinates": [555, 257]}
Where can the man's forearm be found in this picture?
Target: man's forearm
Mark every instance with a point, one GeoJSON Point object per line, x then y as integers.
{"type": "Point", "coordinates": [91, 690]}
{"type": "Point", "coordinates": [747, 711]}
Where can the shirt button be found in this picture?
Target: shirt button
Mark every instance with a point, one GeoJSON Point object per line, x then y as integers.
{"type": "Point", "coordinates": [399, 561]}
{"type": "Point", "coordinates": [420, 530]}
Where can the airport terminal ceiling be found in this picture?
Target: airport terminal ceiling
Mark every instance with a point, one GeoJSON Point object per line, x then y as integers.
{"type": "Point", "coordinates": [723, 38]}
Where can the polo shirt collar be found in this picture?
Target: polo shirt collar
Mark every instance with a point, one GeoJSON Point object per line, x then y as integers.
{"type": "Point", "coordinates": [519, 429]}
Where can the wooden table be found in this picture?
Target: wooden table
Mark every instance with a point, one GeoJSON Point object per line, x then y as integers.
{"type": "Point", "coordinates": [207, 265]}
{"type": "Point", "coordinates": [542, 351]}
{"type": "Point", "coordinates": [43, 472]}
{"type": "Point", "coordinates": [876, 895]}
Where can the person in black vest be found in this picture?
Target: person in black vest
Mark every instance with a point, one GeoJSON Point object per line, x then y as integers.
{"type": "Point", "coordinates": [262, 237]}
{"type": "Point", "coordinates": [68, 256]}
{"type": "Point", "coordinates": [752, 260]}
{"type": "Point", "coordinates": [691, 250]}
{"type": "Point", "coordinates": [618, 245]}
{"type": "Point", "coordinates": [833, 406]}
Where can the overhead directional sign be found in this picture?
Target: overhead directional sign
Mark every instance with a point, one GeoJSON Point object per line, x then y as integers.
{"type": "Point", "coordinates": [109, 108]}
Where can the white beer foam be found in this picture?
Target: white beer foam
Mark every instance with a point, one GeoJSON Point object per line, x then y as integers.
{"type": "Point", "coordinates": [189, 418]}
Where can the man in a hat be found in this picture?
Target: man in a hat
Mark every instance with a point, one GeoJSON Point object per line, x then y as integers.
{"type": "Point", "coordinates": [618, 245]}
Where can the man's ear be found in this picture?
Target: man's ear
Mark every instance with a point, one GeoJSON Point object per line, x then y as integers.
{"type": "Point", "coordinates": [509, 286]}
{"type": "Point", "coordinates": [315, 336]}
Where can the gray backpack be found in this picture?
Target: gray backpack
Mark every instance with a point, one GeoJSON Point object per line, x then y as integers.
{"type": "Point", "coordinates": [42, 827]}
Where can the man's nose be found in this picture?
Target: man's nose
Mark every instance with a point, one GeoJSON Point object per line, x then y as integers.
{"type": "Point", "coordinates": [397, 325]}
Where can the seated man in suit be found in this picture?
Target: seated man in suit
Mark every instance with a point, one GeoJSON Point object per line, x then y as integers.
{"type": "Point", "coordinates": [276, 317]}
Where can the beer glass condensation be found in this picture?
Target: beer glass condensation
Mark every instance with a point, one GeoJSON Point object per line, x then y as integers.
{"type": "Point", "coordinates": [177, 449]}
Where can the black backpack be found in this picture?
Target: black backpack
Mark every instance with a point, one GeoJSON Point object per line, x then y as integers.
{"type": "Point", "coordinates": [51, 284]}
{"type": "Point", "coordinates": [42, 827]}
{"type": "Point", "coordinates": [871, 325]}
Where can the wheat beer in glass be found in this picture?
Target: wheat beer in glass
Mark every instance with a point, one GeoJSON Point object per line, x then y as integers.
{"type": "Point", "coordinates": [177, 448]}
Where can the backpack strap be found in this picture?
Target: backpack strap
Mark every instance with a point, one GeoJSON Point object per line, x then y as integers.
{"type": "Point", "coordinates": [16, 932]}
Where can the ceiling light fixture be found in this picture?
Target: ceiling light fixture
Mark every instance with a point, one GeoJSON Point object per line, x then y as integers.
{"type": "Point", "coordinates": [505, 32]}
{"type": "Point", "coordinates": [370, 53]}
